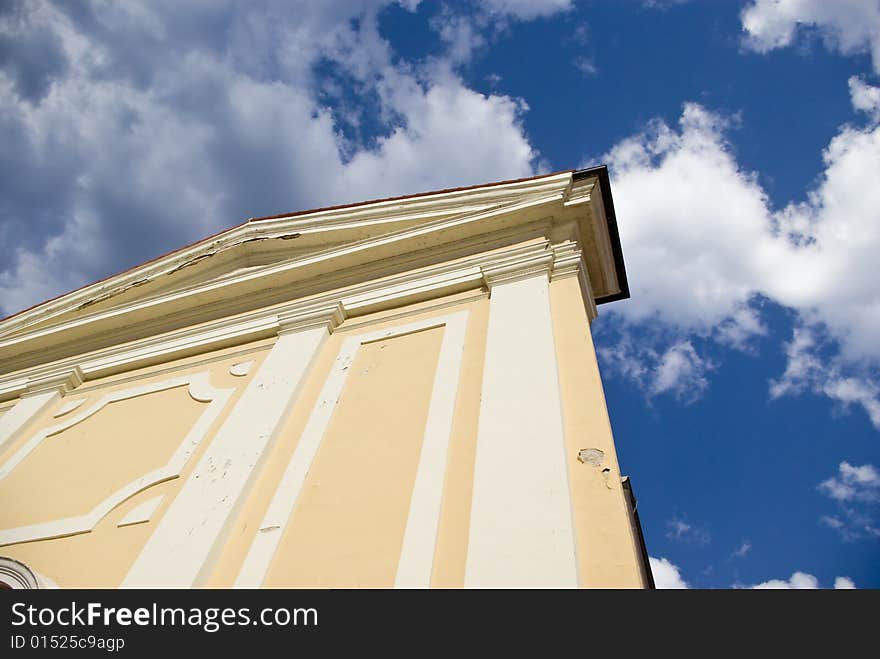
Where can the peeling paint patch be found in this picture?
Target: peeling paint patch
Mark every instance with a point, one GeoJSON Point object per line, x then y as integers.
{"type": "Point", "coordinates": [591, 456]}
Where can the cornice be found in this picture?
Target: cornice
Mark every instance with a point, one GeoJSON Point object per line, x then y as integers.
{"type": "Point", "coordinates": [298, 320]}
{"type": "Point", "coordinates": [62, 380]}
{"type": "Point", "coordinates": [194, 297]}
{"type": "Point", "coordinates": [539, 258]}
{"type": "Point", "coordinates": [457, 204]}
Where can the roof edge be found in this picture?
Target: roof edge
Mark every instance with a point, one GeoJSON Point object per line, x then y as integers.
{"type": "Point", "coordinates": [601, 172]}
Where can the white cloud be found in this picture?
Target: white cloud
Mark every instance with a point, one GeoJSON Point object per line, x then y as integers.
{"type": "Point", "coordinates": [848, 26]}
{"type": "Point", "coordinates": [851, 524]}
{"type": "Point", "coordinates": [151, 126]}
{"type": "Point", "coordinates": [802, 580]}
{"type": "Point", "coordinates": [853, 483]}
{"type": "Point", "coordinates": [666, 575]}
{"type": "Point", "coordinates": [843, 583]}
{"type": "Point", "coordinates": [680, 370]}
{"type": "Point", "coordinates": [865, 98]}
{"type": "Point", "coordinates": [586, 66]}
{"type": "Point", "coordinates": [744, 548]}
{"type": "Point", "coordinates": [856, 490]}
{"type": "Point", "coordinates": [681, 531]}
{"type": "Point", "coordinates": [703, 247]}
{"type": "Point", "coordinates": [527, 9]}
{"type": "Point", "coordinates": [658, 366]}
{"type": "Point", "coordinates": [662, 4]}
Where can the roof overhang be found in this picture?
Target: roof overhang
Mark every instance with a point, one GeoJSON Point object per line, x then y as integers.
{"type": "Point", "coordinates": [265, 261]}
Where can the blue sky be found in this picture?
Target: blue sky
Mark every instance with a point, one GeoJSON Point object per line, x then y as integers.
{"type": "Point", "coordinates": [743, 377]}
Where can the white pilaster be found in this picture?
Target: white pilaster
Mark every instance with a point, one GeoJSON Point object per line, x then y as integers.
{"type": "Point", "coordinates": [521, 532]}
{"type": "Point", "coordinates": [420, 537]}
{"type": "Point", "coordinates": [180, 552]}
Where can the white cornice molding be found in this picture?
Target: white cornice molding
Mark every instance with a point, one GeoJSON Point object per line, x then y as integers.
{"type": "Point", "coordinates": [471, 203]}
{"type": "Point", "coordinates": [194, 296]}
{"type": "Point", "coordinates": [568, 261]}
{"type": "Point", "coordinates": [514, 270]}
{"type": "Point", "coordinates": [63, 380]}
{"type": "Point", "coordinates": [537, 257]}
{"type": "Point", "coordinates": [300, 320]}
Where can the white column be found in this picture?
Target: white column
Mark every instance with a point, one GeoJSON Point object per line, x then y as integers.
{"type": "Point", "coordinates": [521, 532]}
{"type": "Point", "coordinates": [39, 394]}
{"type": "Point", "coordinates": [187, 540]}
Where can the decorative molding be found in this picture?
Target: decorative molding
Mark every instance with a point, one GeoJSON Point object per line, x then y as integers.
{"type": "Point", "coordinates": [417, 555]}
{"type": "Point", "coordinates": [416, 561]}
{"type": "Point", "coordinates": [17, 575]}
{"type": "Point", "coordinates": [69, 406]}
{"type": "Point", "coordinates": [23, 413]}
{"type": "Point", "coordinates": [568, 261]}
{"type": "Point", "coordinates": [299, 320]}
{"type": "Point", "coordinates": [515, 270]}
{"type": "Point", "coordinates": [199, 389]}
{"type": "Point", "coordinates": [418, 208]}
{"type": "Point", "coordinates": [241, 369]}
{"type": "Point", "coordinates": [359, 252]}
{"type": "Point", "coordinates": [181, 551]}
{"type": "Point", "coordinates": [62, 381]}
{"type": "Point", "coordinates": [329, 309]}
{"type": "Point", "coordinates": [142, 512]}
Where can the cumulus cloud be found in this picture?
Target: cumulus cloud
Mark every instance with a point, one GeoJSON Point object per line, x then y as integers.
{"type": "Point", "coordinates": [847, 26]}
{"type": "Point", "coordinates": [666, 575]}
{"type": "Point", "coordinates": [865, 97]}
{"type": "Point", "coordinates": [843, 583]}
{"type": "Point", "coordinates": [853, 483]}
{"type": "Point", "coordinates": [704, 249]}
{"type": "Point", "coordinates": [803, 581]}
{"type": "Point", "coordinates": [131, 129]}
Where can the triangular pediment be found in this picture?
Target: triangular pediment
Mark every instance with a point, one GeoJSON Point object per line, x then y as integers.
{"type": "Point", "coordinates": [266, 259]}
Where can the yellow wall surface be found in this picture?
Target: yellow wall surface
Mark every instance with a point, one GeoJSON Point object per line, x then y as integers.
{"type": "Point", "coordinates": [608, 554]}
{"type": "Point", "coordinates": [347, 527]}
{"type": "Point", "coordinates": [70, 472]}
{"type": "Point", "coordinates": [379, 422]}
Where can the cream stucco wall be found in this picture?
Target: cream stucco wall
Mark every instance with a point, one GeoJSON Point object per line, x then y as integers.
{"type": "Point", "coordinates": [70, 472]}
{"type": "Point", "coordinates": [431, 417]}
{"type": "Point", "coordinates": [348, 522]}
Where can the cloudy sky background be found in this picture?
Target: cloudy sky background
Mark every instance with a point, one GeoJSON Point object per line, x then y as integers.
{"type": "Point", "coordinates": [743, 139]}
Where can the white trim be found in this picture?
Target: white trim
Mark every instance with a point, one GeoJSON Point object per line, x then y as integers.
{"type": "Point", "coordinates": [424, 518]}
{"type": "Point", "coordinates": [69, 406]}
{"type": "Point", "coordinates": [241, 369]}
{"type": "Point", "coordinates": [441, 204]}
{"type": "Point", "coordinates": [521, 531]}
{"type": "Point", "coordinates": [423, 524]}
{"type": "Point", "coordinates": [445, 279]}
{"type": "Point", "coordinates": [191, 533]}
{"type": "Point", "coordinates": [199, 388]}
{"type": "Point", "coordinates": [16, 420]}
{"type": "Point", "coordinates": [141, 512]}
{"type": "Point", "coordinates": [17, 575]}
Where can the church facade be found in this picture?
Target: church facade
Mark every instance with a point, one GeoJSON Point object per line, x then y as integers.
{"type": "Point", "coordinates": [397, 393]}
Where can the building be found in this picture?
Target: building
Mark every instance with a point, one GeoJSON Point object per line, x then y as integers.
{"type": "Point", "coordinates": [400, 392]}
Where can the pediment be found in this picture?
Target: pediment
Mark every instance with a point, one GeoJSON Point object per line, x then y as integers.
{"type": "Point", "coordinates": [304, 254]}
